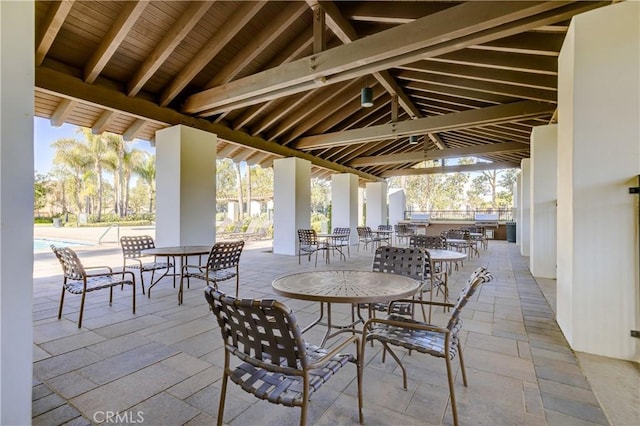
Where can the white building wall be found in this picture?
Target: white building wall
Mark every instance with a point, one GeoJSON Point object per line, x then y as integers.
{"type": "Point", "coordinates": [544, 171]}
{"type": "Point", "coordinates": [376, 204]}
{"type": "Point", "coordinates": [292, 203]}
{"type": "Point", "coordinates": [598, 160]}
{"type": "Point", "coordinates": [397, 206]}
{"type": "Point", "coordinates": [16, 210]}
{"type": "Point", "coordinates": [186, 186]}
{"type": "Point", "coordinates": [524, 224]}
{"type": "Point", "coordinates": [517, 213]}
{"type": "Point", "coordinates": [344, 203]}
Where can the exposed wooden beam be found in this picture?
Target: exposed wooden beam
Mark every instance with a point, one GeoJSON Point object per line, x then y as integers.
{"type": "Point", "coordinates": [60, 84]}
{"type": "Point", "coordinates": [459, 120]}
{"type": "Point", "coordinates": [416, 156]}
{"type": "Point", "coordinates": [530, 42]}
{"type": "Point", "coordinates": [228, 149]}
{"type": "Point", "coordinates": [272, 30]}
{"type": "Point", "coordinates": [119, 30]}
{"type": "Point", "coordinates": [535, 94]}
{"type": "Point", "coordinates": [377, 52]}
{"type": "Point", "coordinates": [134, 129]}
{"type": "Point", "coordinates": [170, 41]}
{"type": "Point", "coordinates": [56, 15]}
{"type": "Point", "coordinates": [211, 48]}
{"type": "Point", "coordinates": [518, 78]}
{"type": "Point", "coordinates": [103, 122]}
{"type": "Point", "coordinates": [62, 112]}
{"type": "Point", "coordinates": [501, 60]}
{"type": "Point", "coordinates": [464, 168]}
{"type": "Point", "coordinates": [319, 33]}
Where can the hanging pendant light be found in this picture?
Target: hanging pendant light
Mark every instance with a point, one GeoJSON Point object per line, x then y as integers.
{"type": "Point", "coordinates": [413, 139]}
{"type": "Point", "coordinates": [366, 97]}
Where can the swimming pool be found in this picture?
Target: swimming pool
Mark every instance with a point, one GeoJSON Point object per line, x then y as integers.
{"type": "Point", "coordinates": [43, 244]}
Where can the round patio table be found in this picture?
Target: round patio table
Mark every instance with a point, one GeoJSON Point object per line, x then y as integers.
{"type": "Point", "coordinates": [183, 252]}
{"type": "Point", "coordinates": [340, 286]}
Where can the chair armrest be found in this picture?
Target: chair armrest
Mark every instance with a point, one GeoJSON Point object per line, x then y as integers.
{"type": "Point", "coordinates": [423, 302]}
{"type": "Point", "coordinates": [133, 259]}
{"type": "Point", "coordinates": [109, 268]}
{"type": "Point", "coordinates": [107, 274]}
{"type": "Point", "coordinates": [403, 324]}
{"type": "Point", "coordinates": [336, 350]}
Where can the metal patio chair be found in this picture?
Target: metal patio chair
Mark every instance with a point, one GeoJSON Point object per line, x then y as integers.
{"type": "Point", "coordinates": [77, 280]}
{"type": "Point", "coordinates": [134, 258]}
{"type": "Point", "coordinates": [277, 364]}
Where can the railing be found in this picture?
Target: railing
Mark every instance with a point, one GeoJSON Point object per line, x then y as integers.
{"type": "Point", "coordinates": [504, 215]}
{"type": "Point", "coordinates": [113, 225]}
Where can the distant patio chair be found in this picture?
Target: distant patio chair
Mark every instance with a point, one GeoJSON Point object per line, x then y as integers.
{"type": "Point", "coordinates": [134, 258]}
{"type": "Point", "coordinates": [308, 244]}
{"type": "Point", "coordinates": [343, 240]}
{"type": "Point", "coordinates": [366, 237]}
{"type": "Point", "coordinates": [222, 264]}
{"type": "Point", "coordinates": [76, 280]}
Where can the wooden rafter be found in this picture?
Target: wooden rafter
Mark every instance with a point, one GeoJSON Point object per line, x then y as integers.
{"type": "Point", "coordinates": [103, 122]}
{"type": "Point", "coordinates": [459, 120]}
{"type": "Point", "coordinates": [449, 169]}
{"type": "Point", "coordinates": [62, 112]}
{"type": "Point", "coordinates": [416, 156]}
{"type": "Point", "coordinates": [58, 12]}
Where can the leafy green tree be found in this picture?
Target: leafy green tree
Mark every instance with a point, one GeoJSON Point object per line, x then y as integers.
{"type": "Point", "coordinates": [146, 171]}
{"type": "Point", "coordinates": [40, 190]}
{"type": "Point", "coordinates": [71, 162]}
{"type": "Point", "coordinates": [225, 179]}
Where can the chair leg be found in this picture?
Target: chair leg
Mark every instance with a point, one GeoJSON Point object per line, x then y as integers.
{"type": "Point", "coordinates": [452, 394]}
{"type": "Point", "coordinates": [305, 402]}
{"type": "Point", "coordinates": [61, 302]}
{"type": "Point", "coordinates": [133, 301]}
{"type": "Point", "coordinates": [404, 370]}
{"type": "Point", "coordinates": [223, 393]}
{"type": "Point", "coordinates": [359, 367]}
{"type": "Point", "coordinates": [464, 373]}
{"type": "Point", "coordinates": [82, 309]}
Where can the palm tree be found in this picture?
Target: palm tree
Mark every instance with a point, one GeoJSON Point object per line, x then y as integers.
{"type": "Point", "coordinates": [72, 161]}
{"type": "Point", "coordinates": [146, 170]}
{"type": "Point", "coordinates": [98, 151]}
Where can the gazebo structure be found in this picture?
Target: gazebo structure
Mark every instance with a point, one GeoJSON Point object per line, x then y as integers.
{"type": "Point", "coordinates": [341, 90]}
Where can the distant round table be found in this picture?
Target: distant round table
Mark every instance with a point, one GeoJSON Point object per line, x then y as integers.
{"type": "Point", "coordinates": [178, 251]}
{"type": "Point", "coordinates": [439, 255]}
{"type": "Point", "coordinates": [341, 286]}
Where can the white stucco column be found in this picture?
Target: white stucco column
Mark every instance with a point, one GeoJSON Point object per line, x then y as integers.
{"type": "Point", "coordinates": [344, 203]}
{"type": "Point", "coordinates": [16, 210]}
{"type": "Point", "coordinates": [397, 206]}
{"type": "Point", "coordinates": [292, 203]}
{"type": "Point", "coordinates": [361, 210]}
{"type": "Point", "coordinates": [598, 300]}
{"type": "Point", "coordinates": [185, 186]}
{"type": "Point", "coordinates": [376, 204]}
{"type": "Point", "coordinates": [524, 213]}
{"type": "Point", "coordinates": [544, 170]}
{"type": "Point", "coordinates": [518, 203]}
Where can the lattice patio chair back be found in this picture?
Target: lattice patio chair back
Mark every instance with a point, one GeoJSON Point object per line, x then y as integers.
{"type": "Point", "coordinates": [134, 258]}
{"type": "Point", "coordinates": [223, 263]}
{"type": "Point", "coordinates": [77, 280]}
{"type": "Point", "coordinates": [410, 262]}
{"type": "Point", "coordinates": [308, 244]}
{"type": "Point", "coordinates": [437, 341]}
{"type": "Point", "coordinates": [277, 364]}
{"type": "Point", "coordinates": [428, 241]}
{"type": "Point", "coordinates": [344, 240]}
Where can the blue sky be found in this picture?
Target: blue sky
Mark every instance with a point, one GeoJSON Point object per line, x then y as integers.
{"type": "Point", "coordinates": [45, 134]}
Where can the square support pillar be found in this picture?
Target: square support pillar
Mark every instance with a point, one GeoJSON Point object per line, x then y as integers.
{"type": "Point", "coordinates": [376, 204]}
{"type": "Point", "coordinates": [292, 203]}
{"type": "Point", "coordinates": [185, 186]}
{"type": "Point", "coordinates": [397, 206]}
{"type": "Point", "coordinates": [544, 171]}
{"type": "Point", "coordinates": [598, 300]}
{"type": "Point", "coordinates": [16, 210]}
{"type": "Point", "coordinates": [344, 203]}
{"type": "Point", "coordinates": [524, 213]}
{"type": "Point", "coordinates": [517, 195]}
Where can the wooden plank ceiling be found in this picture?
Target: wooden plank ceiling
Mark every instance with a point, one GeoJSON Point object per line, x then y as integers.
{"type": "Point", "coordinates": [276, 79]}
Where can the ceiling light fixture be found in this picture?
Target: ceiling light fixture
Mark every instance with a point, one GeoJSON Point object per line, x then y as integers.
{"type": "Point", "coordinates": [366, 97]}
{"type": "Point", "coordinates": [413, 139]}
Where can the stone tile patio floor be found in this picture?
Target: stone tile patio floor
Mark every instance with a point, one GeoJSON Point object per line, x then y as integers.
{"type": "Point", "coordinates": [163, 365]}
